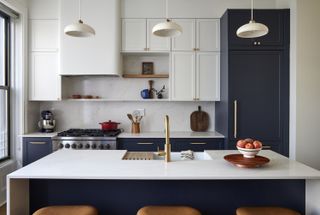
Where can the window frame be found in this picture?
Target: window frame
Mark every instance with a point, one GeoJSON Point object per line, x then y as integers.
{"type": "Point", "coordinates": [6, 86]}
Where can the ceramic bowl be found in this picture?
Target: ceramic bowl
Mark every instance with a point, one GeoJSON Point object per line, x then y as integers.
{"type": "Point", "coordinates": [249, 153]}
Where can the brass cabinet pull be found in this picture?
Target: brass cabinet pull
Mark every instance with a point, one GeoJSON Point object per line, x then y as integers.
{"type": "Point", "coordinates": [198, 143]}
{"type": "Point", "coordinates": [194, 49]}
{"type": "Point", "coordinates": [145, 143]}
{"type": "Point", "coordinates": [266, 147]}
{"type": "Point", "coordinates": [38, 143]}
{"type": "Point", "coordinates": [235, 129]}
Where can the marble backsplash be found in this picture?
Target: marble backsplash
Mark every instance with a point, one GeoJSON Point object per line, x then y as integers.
{"type": "Point", "coordinates": [76, 114]}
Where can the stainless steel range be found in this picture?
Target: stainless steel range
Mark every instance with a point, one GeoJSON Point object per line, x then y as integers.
{"type": "Point", "coordinates": [86, 139]}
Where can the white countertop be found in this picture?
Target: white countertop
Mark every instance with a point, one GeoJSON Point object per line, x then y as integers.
{"type": "Point", "coordinates": [174, 134]}
{"type": "Point", "coordinates": [95, 164]}
{"type": "Point", "coordinates": [39, 134]}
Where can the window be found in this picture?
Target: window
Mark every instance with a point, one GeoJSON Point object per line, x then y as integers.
{"type": "Point", "coordinates": [4, 86]}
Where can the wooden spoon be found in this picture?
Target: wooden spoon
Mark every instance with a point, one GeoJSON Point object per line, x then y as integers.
{"type": "Point", "coordinates": [130, 117]}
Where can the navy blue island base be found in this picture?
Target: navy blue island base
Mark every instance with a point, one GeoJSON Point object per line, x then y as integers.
{"type": "Point", "coordinates": [125, 197]}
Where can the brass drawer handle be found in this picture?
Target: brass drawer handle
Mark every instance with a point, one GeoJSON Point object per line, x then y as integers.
{"type": "Point", "coordinates": [266, 147]}
{"type": "Point", "coordinates": [38, 143]}
{"type": "Point", "coordinates": [198, 143]}
{"type": "Point", "coordinates": [145, 143]}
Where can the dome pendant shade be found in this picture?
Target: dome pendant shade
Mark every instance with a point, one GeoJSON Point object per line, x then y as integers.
{"type": "Point", "coordinates": [167, 29]}
{"type": "Point", "coordinates": [252, 30]}
{"type": "Point", "coordinates": [79, 29]}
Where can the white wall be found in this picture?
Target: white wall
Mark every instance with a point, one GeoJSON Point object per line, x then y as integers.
{"type": "Point", "coordinates": [88, 114]}
{"type": "Point", "coordinates": [186, 8]}
{"type": "Point", "coordinates": [308, 82]}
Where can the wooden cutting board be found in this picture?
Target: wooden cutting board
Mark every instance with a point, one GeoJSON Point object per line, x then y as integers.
{"type": "Point", "coordinates": [199, 120]}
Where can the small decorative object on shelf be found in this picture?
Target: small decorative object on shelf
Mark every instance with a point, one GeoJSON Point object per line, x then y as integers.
{"type": "Point", "coordinates": [160, 92]}
{"type": "Point", "coordinates": [147, 68]}
{"type": "Point", "coordinates": [151, 82]}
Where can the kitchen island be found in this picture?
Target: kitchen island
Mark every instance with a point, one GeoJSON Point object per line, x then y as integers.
{"type": "Point", "coordinates": [116, 186]}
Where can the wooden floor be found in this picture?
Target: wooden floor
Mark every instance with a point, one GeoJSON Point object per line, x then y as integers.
{"type": "Point", "coordinates": [3, 210]}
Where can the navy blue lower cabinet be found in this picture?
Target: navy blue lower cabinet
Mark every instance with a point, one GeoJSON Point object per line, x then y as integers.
{"type": "Point", "coordinates": [177, 144]}
{"type": "Point", "coordinates": [35, 148]}
{"type": "Point", "coordinates": [140, 144]}
{"type": "Point", "coordinates": [195, 144]}
{"type": "Point", "coordinates": [126, 197]}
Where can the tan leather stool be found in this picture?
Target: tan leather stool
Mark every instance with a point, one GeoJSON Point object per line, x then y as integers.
{"type": "Point", "coordinates": [266, 211]}
{"type": "Point", "coordinates": [168, 210]}
{"type": "Point", "coordinates": [67, 210]}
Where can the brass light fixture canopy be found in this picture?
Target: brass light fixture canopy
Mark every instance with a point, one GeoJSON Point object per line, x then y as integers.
{"type": "Point", "coordinates": [79, 29]}
{"type": "Point", "coordinates": [252, 29]}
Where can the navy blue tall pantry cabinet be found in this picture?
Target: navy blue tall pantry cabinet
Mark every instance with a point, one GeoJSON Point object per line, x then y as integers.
{"type": "Point", "coordinates": [255, 81]}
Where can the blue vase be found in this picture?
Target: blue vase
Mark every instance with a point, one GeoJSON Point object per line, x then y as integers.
{"type": "Point", "coordinates": [145, 94]}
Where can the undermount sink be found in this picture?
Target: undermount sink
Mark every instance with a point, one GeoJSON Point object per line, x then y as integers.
{"type": "Point", "coordinates": [175, 156]}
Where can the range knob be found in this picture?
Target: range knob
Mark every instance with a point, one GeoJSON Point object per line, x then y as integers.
{"type": "Point", "coordinates": [87, 146]}
{"type": "Point", "coordinates": [74, 146]}
{"type": "Point", "coordinates": [67, 146]}
{"type": "Point", "coordinates": [107, 146]}
{"type": "Point", "coordinates": [94, 146]}
{"type": "Point", "coordinates": [60, 145]}
{"type": "Point", "coordinates": [100, 146]}
{"type": "Point", "coordinates": [80, 146]}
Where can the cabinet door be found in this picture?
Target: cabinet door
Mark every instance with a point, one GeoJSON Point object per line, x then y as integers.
{"type": "Point", "coordinates": [208, 76]}
{"type": "Point", "coordinates": [44, 35]}
{"type": "Point", "coordinates": [155, 43]}
{"type": "Point", "coordinates": [44, 79]}
{"type": "Point", "coordinates": [143, 144]}
{"type": "Point", "coordinates": [208, 34]}
{"type": "Point", "coordinates": [134, 35]}
{"type": "Point", "coordinates": [276, 20]}
{"type": "Point", "coordinates": [187, 40]}
{"type": "Point", "coordinates": [35, 148]}
{"type": "Point", "coordinates": [183, 76]}
{"type": "Point", "coordinates": [197, 145]}
{"type": "Point", "coordinates": [259, 83]}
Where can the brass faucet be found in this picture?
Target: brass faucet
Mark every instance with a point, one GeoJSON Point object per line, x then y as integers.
{"type": "Point", "coordinates": [167, 146]}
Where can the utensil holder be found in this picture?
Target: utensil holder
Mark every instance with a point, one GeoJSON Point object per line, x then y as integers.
{"type": "Point", "coordinates": [135, 128]}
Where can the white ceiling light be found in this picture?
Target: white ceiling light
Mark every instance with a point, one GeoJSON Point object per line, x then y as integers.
{"type": "Point", "coordinates": [252, 29]}
{"type": "Point", "coordinates": [79, 29]}
{"type": "Point", "coordinates": [168, 28]}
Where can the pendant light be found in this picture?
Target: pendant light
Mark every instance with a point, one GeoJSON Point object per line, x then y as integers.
{"type": "Point", "coordinates": [168, 28]}
{"type": "Point", "coordinates": [79, 29]}
{"type": "Point", "coordinates": [252, 29]}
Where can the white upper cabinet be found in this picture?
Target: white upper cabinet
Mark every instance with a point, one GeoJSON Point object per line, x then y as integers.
{"type": "Point", "coordinates": [195, 76]}
{"type": "Point", "coordinates": [198, 35]}
{"type": "Point", "coordinates": [44, 35]}
{"type": "Point", "coordinates": [134, 34]}
{"type": "Point", "coordinates": [187, 40]}
{"type": "Point", "coordinates": [137, 36]}
{"type": "Point", "coordinates": [44, 79]}
{"type": "Point", "coordinates": [208, 76]}
{"type": "Point", "coordinates": [96, 55]}
{"type": "Point", "coordinates": [45, 83]}
{"type": "Point", "coordinates": [208, 34]}
{"type": "Point", "coordinates": [183, 76]}
{"type": "Point", "coordinates": [156, 43]}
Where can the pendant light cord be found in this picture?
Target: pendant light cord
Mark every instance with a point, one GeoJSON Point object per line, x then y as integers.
{"type": "Point", "coordinates": [79, 10]}
{"type": "Point", "coordinates": [167, 7]}
{"type": "Point", "coordinates": [251, 10]}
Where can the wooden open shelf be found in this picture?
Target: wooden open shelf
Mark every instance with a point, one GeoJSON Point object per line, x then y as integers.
{"type": "Point", "coordinates": [145, 76]}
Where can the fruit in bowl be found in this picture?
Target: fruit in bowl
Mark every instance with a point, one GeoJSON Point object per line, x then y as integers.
{"type": "Point", "coordinates": [249, 147]}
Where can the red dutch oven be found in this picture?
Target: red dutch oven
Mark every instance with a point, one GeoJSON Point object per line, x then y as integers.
{"type": "Point", "coordinates": [107, 126]}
